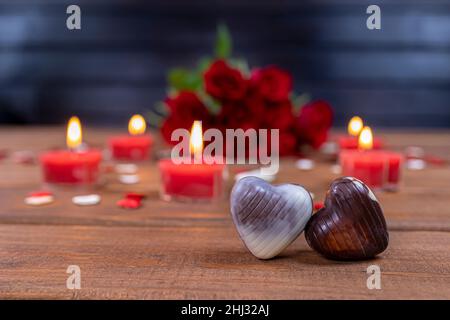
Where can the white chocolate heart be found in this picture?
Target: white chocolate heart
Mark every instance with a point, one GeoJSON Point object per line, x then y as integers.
{"type": "Point", "coordinates": [269, 218]}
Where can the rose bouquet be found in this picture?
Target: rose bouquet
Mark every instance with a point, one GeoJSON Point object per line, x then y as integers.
{"type": "Point", "coordinates": [225, 93]}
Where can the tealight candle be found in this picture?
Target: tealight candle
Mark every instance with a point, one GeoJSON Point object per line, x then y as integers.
{"type": "Point", "coordinates": [136, 146]}
{"type": "Point", "coordinates": [194, 180]}
{"type": "Point", "coordinates": [377, 168]}
{"type": "Point", "coordinates": [73, 166]}
{"type": "Point", "coordinates": [350, 141]}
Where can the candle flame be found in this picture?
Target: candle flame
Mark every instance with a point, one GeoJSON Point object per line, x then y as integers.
{"type": "Point", "coordinates": [365, 141]}
{"type": "Point", "coordinates": [196, 140]}
{"type": "Point", "coordinates": [355, 126]}
{"type": "Point", "coordinates": [74, 133]}
{"type": "Point", "coordinates": [136, 125]}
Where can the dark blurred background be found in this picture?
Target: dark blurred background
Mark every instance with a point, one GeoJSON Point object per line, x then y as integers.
{"type": "Point", "coordinates": [117, 64]}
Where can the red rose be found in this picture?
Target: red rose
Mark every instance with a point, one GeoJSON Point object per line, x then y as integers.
{"type": "Point", "coordinates": [224, 83]}
{"type": "Point", "coordinates": [170, 124]}
{"type": "Point", "coordinates": [246, 113]}
{"type": "Point", "coordinates": [236, 115]}
{"type": "Point", "coordinates": [279, 116]}
{"type": "Point", "coordinates": [287, 144]}
{"type": "Point", "coordinates": [184, 107]}
{"type": "Point", "coordinates": [272, 83]}
{"type": "Point", "coordinates": [253, 112]}
{"type": "Point", "coordinates": [186, 104]}
{"type": "Point", "coordinates": [313, 123]}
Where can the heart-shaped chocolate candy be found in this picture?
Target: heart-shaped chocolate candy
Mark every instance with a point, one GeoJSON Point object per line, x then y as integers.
{"type": "Point", "coordinates": [351, 226]}
{"type": "Point", "coordinates": [268, 218]}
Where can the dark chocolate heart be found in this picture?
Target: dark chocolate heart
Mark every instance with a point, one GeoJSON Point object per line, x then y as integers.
{"type": "Point", "coordinates": [268, 218]}
{"type": "Point", "coordinates": [351, 226]}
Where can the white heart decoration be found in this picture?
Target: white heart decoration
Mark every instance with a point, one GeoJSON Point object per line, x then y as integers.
{"type": "Point", "coordinates": [269, 218]}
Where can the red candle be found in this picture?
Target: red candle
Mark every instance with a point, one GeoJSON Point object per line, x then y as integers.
{"type": "Point", "coordinates": [194, 180]}
{"type": "Point", "coordinates": [131, 147]}
{"type": "Point", "coordinates": [70, 166]}
{"type": "Point", "coordinates": [377, 168]}
{"type": "Point", "coordinates": [367, 166]}
{"type": "Point", "coordinates": [136, 146]}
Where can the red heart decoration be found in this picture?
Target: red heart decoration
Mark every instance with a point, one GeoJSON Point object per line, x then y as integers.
{"type": "Point", "coordinates": [40, 194]}
{"type": "Point", "coordinates": [129, 203]}
{"type": "Point", "coordinates": [134, 195]}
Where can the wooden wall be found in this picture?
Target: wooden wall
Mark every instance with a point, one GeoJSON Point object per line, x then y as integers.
{"type": "Point", "coordinates": [116, 65]}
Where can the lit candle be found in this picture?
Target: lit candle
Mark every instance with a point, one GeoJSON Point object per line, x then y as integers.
{"type": "Point", "coordinates": [377, 168]}
{"type": "Point", "coordinates": [72, 166]}
{"type": "Point", "coordinates": [354, 128]}
{"type": "Point", "coordinates": [355, 125]}
{"type": "Point", "coordinates": [195, 180]}
{"type": "Point", "coordinates": [135, 146]}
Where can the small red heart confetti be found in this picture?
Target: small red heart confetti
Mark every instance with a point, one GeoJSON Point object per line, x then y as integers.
{"type": "Point", "coordinates": [40, 193]}
{"type": "Point", "coordinates": [132, 200]}
{"type": "Point", "coordinates": [134, 195]}
{"type": "Point", "coordinates": [435, 160]}
{"type": "Point", "coordinates": [129, 203]}
{"type": "Point", "coordinates": [318, 205]}
{"type": "Point", "coordinates": [39, 198]}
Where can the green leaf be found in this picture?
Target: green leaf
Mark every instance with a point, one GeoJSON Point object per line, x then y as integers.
{"type": "Point", "coordinates": [241, 64]}
{"type": "Point", "coordinates": [161, 108]}
{"type": "Point", "coordinates": [223, 42]}
{"type": "Point", "coordinates": [300, 101]}
{"type": "Point", "coordinates": [204, 64]}
{"type": "Point", "coordinates": [177, 77]}
{"type": "Point", "coordinates": [212, 105]}
{"type": "Point", "coordinates": [154, 119]}
{"type": "Point", "coordinates": [184, 79]}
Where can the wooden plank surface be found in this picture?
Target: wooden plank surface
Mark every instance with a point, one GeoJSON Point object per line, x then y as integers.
{"type": "Point", "coordinates": [170, 250]}
{"type": "Point", "coordinates": [199, 262]}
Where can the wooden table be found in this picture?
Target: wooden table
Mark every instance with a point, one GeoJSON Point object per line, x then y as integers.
{"type": "Point", "coordinates": [177, 251]}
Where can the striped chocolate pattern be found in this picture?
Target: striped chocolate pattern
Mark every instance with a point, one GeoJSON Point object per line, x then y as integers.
{"type": "Point", "coordinates": [351, 226]}
{"type": "Point", "coordinates": [268, 218]}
